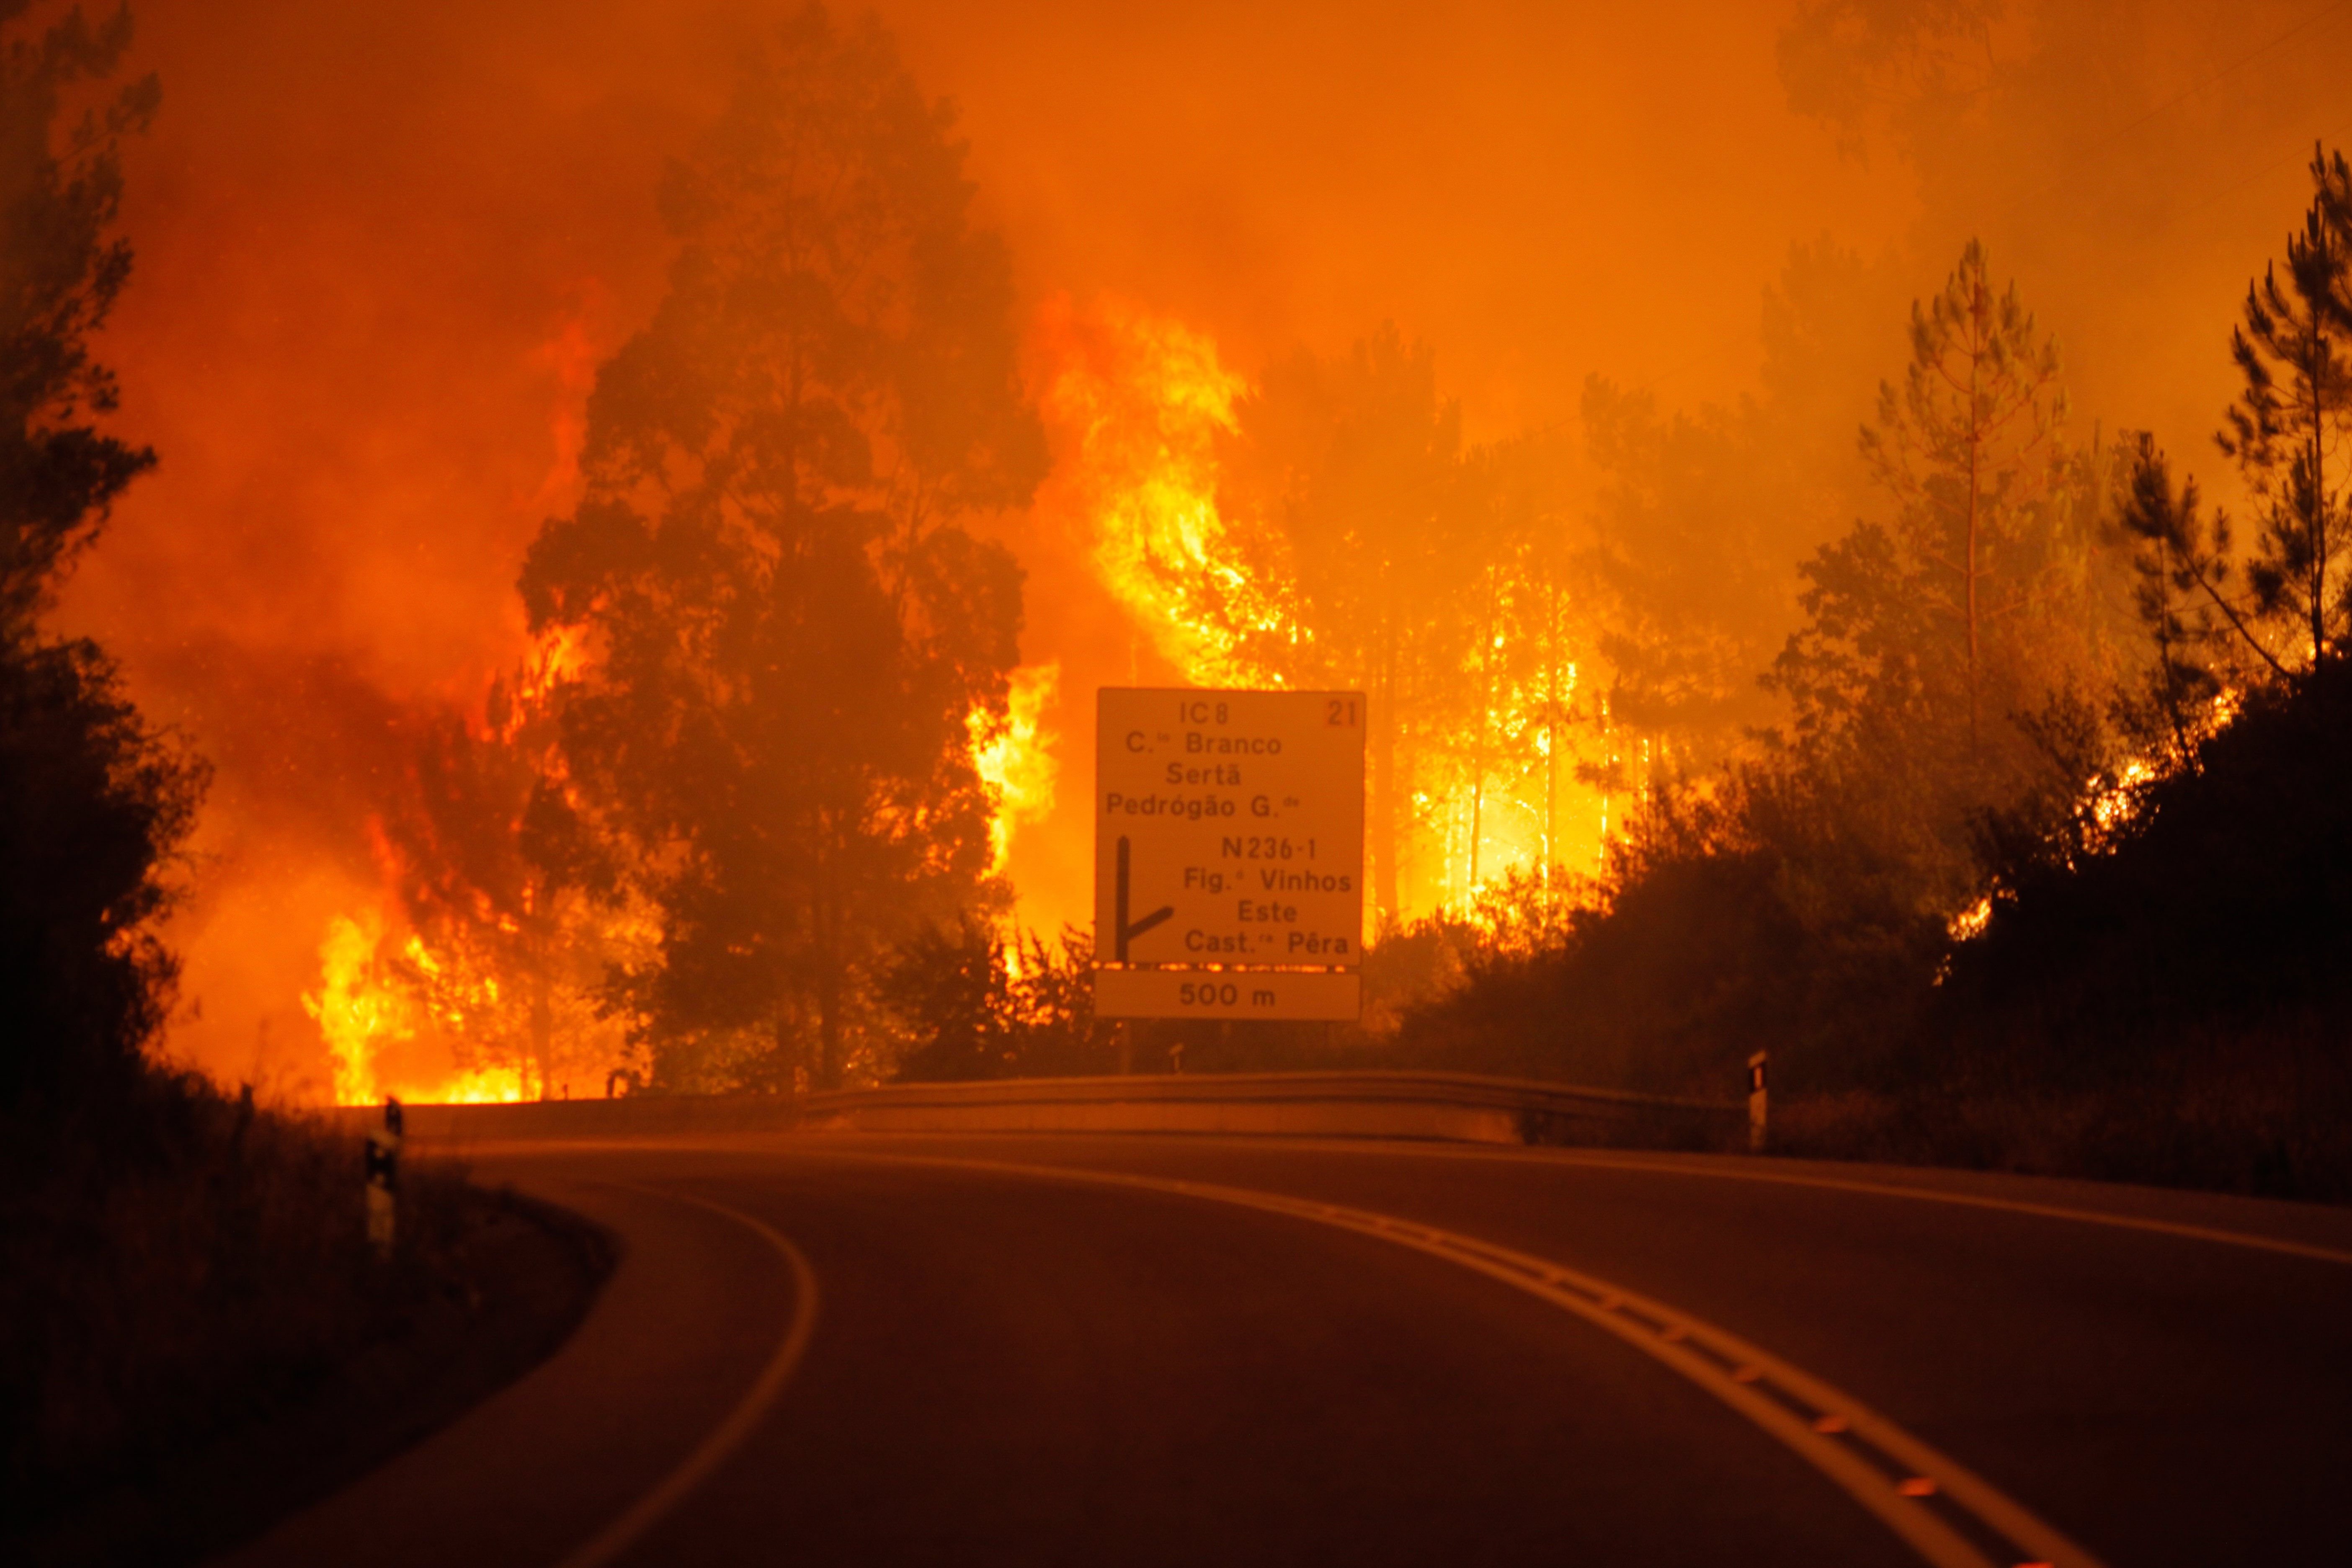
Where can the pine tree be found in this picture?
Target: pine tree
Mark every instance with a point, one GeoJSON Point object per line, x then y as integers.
{"type": "Point", "coordinates": [1345, 478]}
{"type": "Point", "coordinates": [2184, 594]}
{"type": "Point", "coordinates": [2288, 426]}
{"type": "Point", "coordinates": [1967, 446]}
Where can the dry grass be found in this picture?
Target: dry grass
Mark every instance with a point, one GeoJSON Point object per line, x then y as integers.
{"type": "Point", "coordinates": [183, 1266]}
{"type": "Point", "coordinates": [2267, 1114]}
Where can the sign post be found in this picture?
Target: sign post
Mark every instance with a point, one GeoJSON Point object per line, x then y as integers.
{"type": "Point", "coordinates": [1229, 854]}
{"type": "Point", "coordinates": [1756, 1105]}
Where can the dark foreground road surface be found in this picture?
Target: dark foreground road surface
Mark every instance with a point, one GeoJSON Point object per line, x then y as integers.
{"type": "Point", "coordinates": [826, 1349]}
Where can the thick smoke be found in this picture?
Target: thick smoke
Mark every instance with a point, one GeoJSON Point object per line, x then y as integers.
{"type": "Point", "coordinates": [380, 253]}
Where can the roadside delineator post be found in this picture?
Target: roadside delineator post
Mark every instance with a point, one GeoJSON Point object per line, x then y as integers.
{"type": "Point", "coordinates": [384, 1178]}
{"type": "Point", "coordinates": [1756, 1103]}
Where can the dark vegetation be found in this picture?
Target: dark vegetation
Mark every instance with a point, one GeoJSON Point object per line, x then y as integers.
{"type": "Point", "coordinates": [2048, 863]}
{"type": "Point", "coordinates": [179, 1268]}
{"type": "Point", "coordinates": [200, 1336]}
{"type": "Point", "coordinates": [2155, 983]}
{"type": "Point", "coordinates": [2004, 828]}
{"type": "Point", "coordinates": [769, 754]}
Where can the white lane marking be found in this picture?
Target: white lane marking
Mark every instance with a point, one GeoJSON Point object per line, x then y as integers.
{"type": "Point", "coordinates": [1760, 1171]}
{"type": "Point", "coordinates": [1963, 1200]}
{"type": "Point", "coordinates": [1838, 1443]}
{"type": "Point", "coordinates": [1607, 1161]}
{"type": "Point", "coordinates": [713, 1450]}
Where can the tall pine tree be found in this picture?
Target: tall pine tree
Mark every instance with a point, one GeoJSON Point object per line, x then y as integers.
{"type": "Point", "coordinates": [2289, 426]}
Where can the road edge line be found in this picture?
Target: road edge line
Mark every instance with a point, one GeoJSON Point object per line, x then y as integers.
{"type": "Point", "coordinates": [728, 1435]}
{"type": "Point", "coordinates": [1597, 1160]}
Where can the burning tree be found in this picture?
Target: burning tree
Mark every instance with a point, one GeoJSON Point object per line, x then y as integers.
{"type": "Point", "coordinates": [1990, 594]}
{"type": "Point", "coordinates": [1532, 636]}
{"type": "Point", "coordinates": [787, 627]}
{"type": "Point", "coordinates": [2287, 430]}
{"type": "Point", "coordinates": [519, 916]}
{"type": "Point", "coordinates": [1347, 477]}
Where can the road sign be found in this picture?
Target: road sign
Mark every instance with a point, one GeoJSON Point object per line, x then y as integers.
{"type": "Point", "coordinates": [1229, 853]}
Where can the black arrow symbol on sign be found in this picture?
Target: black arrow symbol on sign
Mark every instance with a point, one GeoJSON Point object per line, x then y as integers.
{"type": "Point", "coordinates": [1122, 929]}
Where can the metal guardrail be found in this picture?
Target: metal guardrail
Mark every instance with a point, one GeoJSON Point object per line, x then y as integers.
{"type": "Point", "coordinates": [1370, 1103]}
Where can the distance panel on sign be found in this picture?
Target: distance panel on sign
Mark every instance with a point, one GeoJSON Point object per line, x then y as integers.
{"type": "Point", "coordinates": [1329, 994]}
{"type": "Point", "coordinates": [1229, 827]}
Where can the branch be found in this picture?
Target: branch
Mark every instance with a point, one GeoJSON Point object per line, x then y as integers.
{"type": "Point", "coordinates": [2226, 608]}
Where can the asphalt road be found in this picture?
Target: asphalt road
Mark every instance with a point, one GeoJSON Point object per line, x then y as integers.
{"type": "Point", "coordinates": [825, 1349]}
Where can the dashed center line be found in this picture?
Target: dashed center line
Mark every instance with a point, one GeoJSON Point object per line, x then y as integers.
{"type": "Point", "coordinates": [1945, 1513]}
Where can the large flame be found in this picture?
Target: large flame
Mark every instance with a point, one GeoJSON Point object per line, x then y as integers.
{"type": "Point", "coordinates": [1139, 402]}
{"type": "Point", "coordinates": [356, 1013]}
{"type": "Point", "coordinates": [1015, 756]}
{"type": "Point", "coordinates": [402, 1017]}
{"type": "Point", "coordinates": [364, 1013]}
{"type": "Point", "coordinates": [1138, 405]}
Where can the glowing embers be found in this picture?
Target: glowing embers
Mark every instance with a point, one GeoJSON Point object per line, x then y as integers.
{"type": "Point", "coordinates": [1137, 404]}
{"type": "Point", "coordinates": [1014, 757]}
{"type": "Point", "coordinates": [1970, 922]}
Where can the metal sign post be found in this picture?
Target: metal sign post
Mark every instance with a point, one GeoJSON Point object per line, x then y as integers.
{"type": "Point", "coordinates": [1229, 854]}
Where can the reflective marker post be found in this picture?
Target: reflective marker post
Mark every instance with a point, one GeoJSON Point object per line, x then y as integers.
{"type": "Point", "coordinates": [384, 1178]}
{"type": "Point", "coordinates": [1756, 1103]}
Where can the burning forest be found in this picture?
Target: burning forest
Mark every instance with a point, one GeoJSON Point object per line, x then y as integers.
{"type": "Point", "coordinates": [1730, 580]}
{"type": "Point", "coordinates": [639, 600]}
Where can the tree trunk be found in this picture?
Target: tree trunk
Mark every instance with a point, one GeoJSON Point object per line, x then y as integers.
{"type": "Point", "coordinates": [1384, 771]}
{"type": "Point", "coordinates": [1551, 731]}
{"type": "Point", "coordinates": [1486, 721]}
{"type": "Point", "coordinates": [827, 931]}
{"type": "Point", "coordinates": [2319, 511]}
{"type": "Point", "coordinates": [1969, 558]}
{"type": "Point", "coordinates": [543, 1018]}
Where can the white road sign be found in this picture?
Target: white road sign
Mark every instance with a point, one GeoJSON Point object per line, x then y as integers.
{"type": "Point", "coordinates": [1229, 853]}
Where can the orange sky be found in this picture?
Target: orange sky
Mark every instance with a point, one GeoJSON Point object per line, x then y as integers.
{"type": "Point", "coordinates": [381, 253]}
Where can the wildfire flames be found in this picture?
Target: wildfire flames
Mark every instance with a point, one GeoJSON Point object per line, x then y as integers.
{"type": "Point", "coordinates": [397, 1016]}
{"type": "Point", "coordinates": [1141, 401]}
{"type": "Point", "coordinates": [365, 1015]}
{"type": "Point", "coordinates": [1015, 757]}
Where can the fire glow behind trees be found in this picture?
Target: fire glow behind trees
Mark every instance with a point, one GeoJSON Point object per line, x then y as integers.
{"type": "Point", "coordinates": [788, 627]}
{"type": "Point", "coordinates": [1549, 516]}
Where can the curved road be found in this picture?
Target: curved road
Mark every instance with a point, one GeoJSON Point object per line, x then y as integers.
{"type": "Point", "coordinates": [1157, 1350]}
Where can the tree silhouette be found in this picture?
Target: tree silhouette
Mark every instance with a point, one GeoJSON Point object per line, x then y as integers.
{"type": "Point", "coordinates": [2288, 426]}
{"type": "Point", "coordinates": [1968, 445]}
{"type": "Point", "coordinates": [519, 911]}
{"type": "Point", "coordinates": [1345, 480]}
{"type": "Point", "coordinates": [789, 626]}
{"type": "Point", "coordinates": [61, 269]}
{"type": "Point", "coordinates": [93, 802]}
